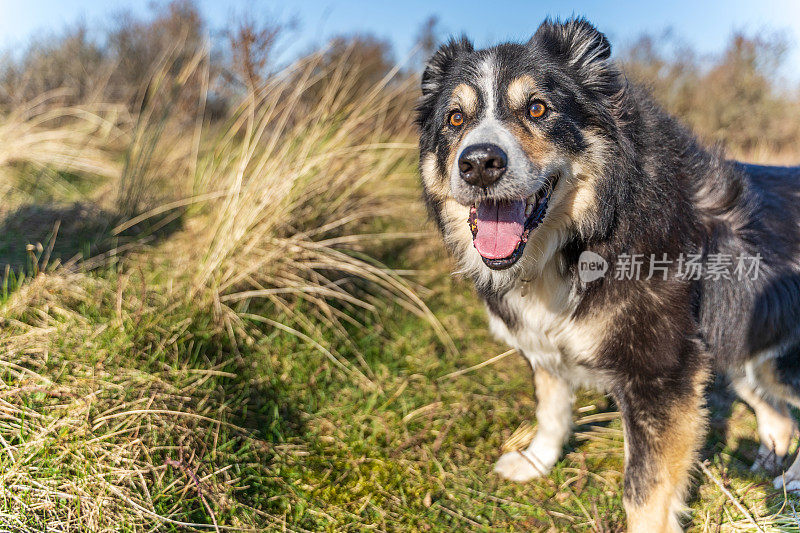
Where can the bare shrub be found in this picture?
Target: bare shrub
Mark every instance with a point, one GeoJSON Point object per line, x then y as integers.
{"type": "Point", "coordinates": [733, 99]}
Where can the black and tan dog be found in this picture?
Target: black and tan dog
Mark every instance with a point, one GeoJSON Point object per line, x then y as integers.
{"type": "Point", "coordinates": [535, 155]}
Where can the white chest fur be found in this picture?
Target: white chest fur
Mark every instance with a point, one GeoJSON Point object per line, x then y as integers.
{"type": "Point", "coordinates": [547, 333]}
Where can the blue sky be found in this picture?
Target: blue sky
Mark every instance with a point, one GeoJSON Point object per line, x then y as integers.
{"type": "Point", "coordinates": [706, 25]}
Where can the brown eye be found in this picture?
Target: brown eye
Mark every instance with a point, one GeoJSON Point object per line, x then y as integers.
{"type": "Point", "coordinates": [536, 109]}
{"type": "Point", "coordinates": [456, 118]}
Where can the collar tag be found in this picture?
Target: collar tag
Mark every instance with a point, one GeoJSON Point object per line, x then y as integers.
{"type": "Point", "coordinates": [525, 287]}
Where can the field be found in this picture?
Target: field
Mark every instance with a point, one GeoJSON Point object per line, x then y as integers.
{"type": "Point", "coordinates": [222, 308]}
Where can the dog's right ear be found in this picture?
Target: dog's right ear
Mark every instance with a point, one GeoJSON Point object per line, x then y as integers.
{"type": "Point", "coordinates": [435, 71]}
{"type": "Point", "coordinates": [441, 62]}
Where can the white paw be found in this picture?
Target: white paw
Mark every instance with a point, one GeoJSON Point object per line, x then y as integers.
{"type": "Point", "coordinates": [792, 483]}
{"type": "Point", "coordinates": [525, 465]}
{"type": "Point", "coordinates": [766, 460]}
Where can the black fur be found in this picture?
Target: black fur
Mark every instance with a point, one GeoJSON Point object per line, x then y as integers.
{"type": "Point", "coordinates": [495, 302]}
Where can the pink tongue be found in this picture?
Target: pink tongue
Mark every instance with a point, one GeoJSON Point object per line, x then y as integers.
{"type": "Point", "coordinates": [500, 228]}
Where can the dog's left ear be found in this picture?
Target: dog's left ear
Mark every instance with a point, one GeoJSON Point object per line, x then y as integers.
{"type": "Point", "coordinates": [580, 45]}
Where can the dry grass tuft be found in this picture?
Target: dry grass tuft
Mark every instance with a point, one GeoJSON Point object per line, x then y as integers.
{"type": "Point", "coordinates": [43, 134]}
{"type": "Point", "coordinates": [288, 194]}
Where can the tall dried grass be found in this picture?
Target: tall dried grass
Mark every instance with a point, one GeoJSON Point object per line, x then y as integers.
{"type": "Point", "coordinates": [286, 195]}
{"type": "Point", "coordinates": [281, 205]}
{"type": "Point", "coordinates": [44, 134]}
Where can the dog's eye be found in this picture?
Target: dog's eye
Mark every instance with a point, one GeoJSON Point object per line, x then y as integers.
{"type": "Point", "coordinates": [456, 119]}
{"type": "Point", "coordinates": [536, 109]}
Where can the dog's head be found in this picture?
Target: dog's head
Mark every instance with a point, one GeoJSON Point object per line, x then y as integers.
{"type": "Point", "coordinates": [512, 138]}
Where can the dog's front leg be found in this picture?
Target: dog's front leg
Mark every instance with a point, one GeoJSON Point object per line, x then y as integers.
{"type": "Point", "coordinates": [663, 421]}
{"type": "Point", "coordinates": [554, 422]}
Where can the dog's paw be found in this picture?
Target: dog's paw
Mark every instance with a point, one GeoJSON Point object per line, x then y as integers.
{"type": "Point", "coordinates": [522, 466]}
{"type": "Point", "coordinates": [767, 460]}
{"type": "Point", "coordinates": [787, 480]}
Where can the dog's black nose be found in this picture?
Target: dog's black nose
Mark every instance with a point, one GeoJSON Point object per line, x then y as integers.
{"type": "Point", "coordinates": [482, 164]}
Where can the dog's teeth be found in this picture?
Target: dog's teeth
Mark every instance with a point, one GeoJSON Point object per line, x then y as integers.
{"type": "Point", "coordinates": [528, 210]}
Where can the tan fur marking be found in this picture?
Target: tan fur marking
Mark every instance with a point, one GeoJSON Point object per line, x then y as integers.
{"type": "Point", "coordinates": [676, 453]}
{"type": "Point", "coordinates": [580, 201]}
{"type": "Point", "coordinates": [458, 234]}
{"type": "Point", "coordinates": [580, 205]}
{"type": "Point", "coordinates": [436, 184]}
{"type": "Point", "coordinates": [545, 382]}
{"type": "Point", "coordinates": [519, 91]}
{"type": "Point", "coordinates": [591, 333]}
{"type": "Point", "coordinates": [465, 98]}
{"type": "Point", "coordinates": [535, 146]}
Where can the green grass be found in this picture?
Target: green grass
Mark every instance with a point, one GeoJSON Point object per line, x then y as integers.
{"type": "Point", "coordinates": [297, 441]}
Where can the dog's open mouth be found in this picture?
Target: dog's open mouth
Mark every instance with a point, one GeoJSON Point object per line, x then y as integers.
{"type": "Point", "coordinates": [500, 228]}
